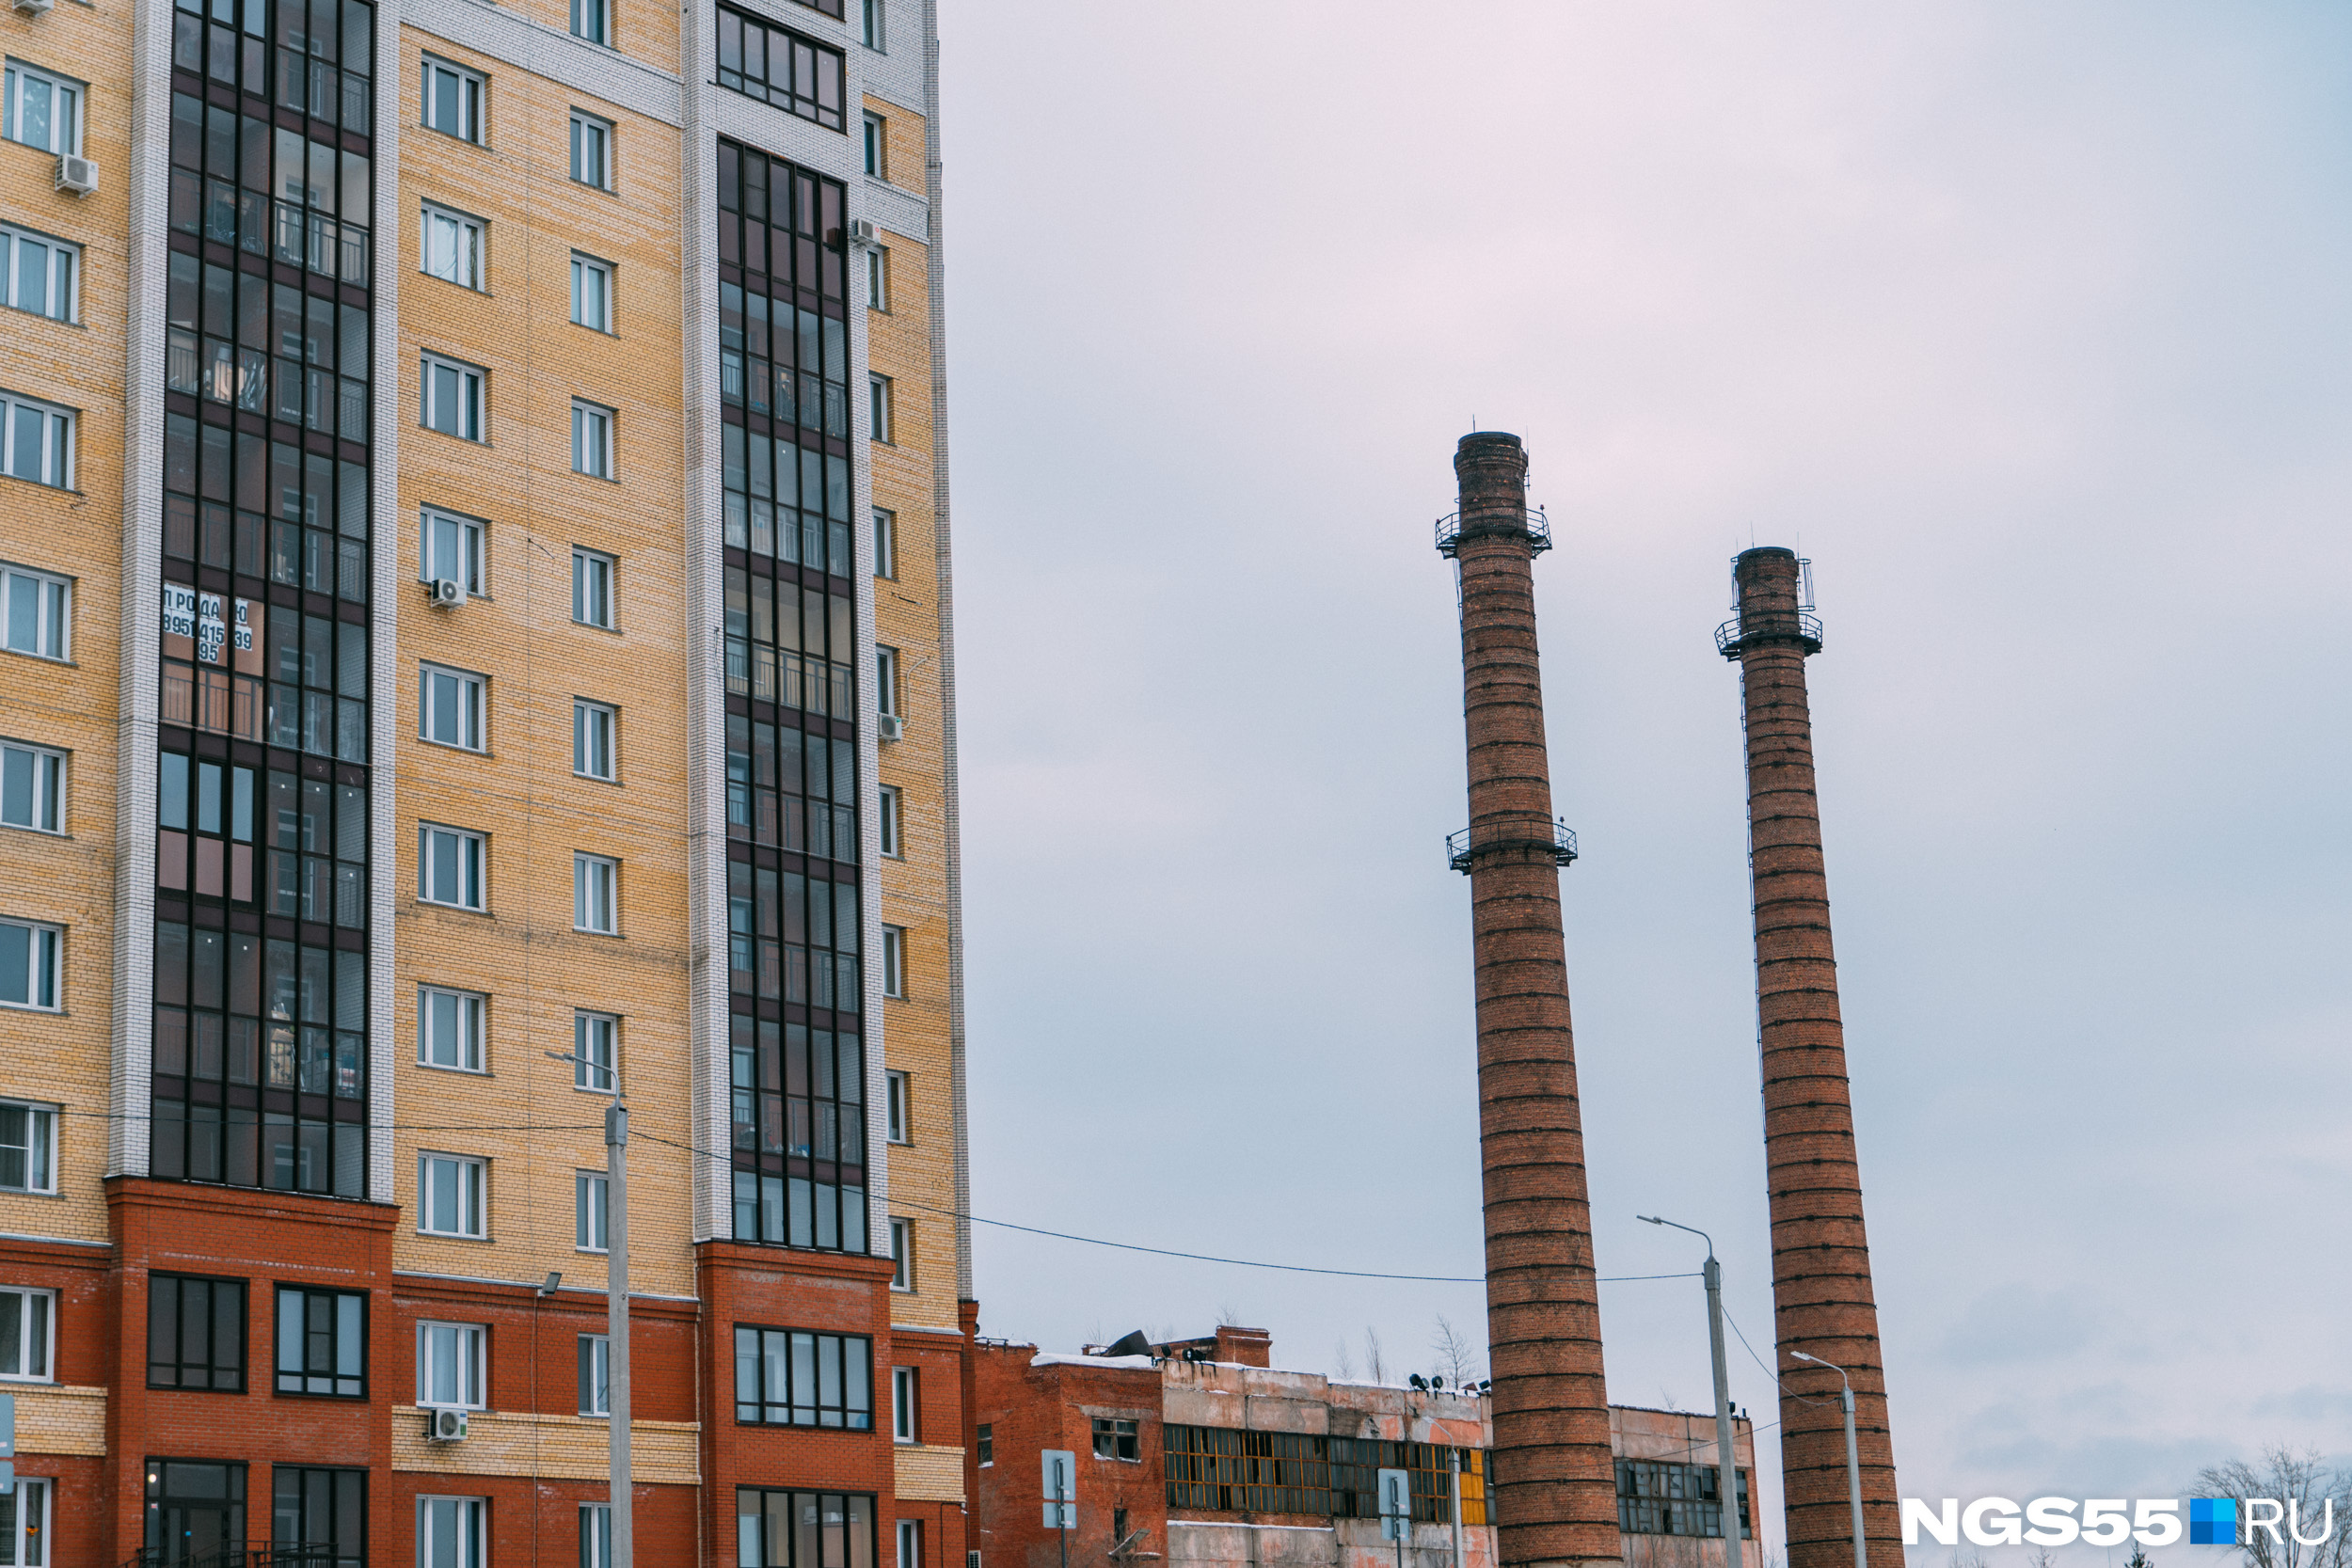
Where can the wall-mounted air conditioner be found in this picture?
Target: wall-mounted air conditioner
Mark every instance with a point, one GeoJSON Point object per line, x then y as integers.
{"type": "Point", "coordinates": [890, 727]}
{"type": "Point", "coordinates": [445, 591]}
{"type": "Point", "coordinates": [448, 1426]}
{"type": "Point", "coordinates": [75, 173]}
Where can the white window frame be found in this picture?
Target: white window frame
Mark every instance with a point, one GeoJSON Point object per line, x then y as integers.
{"type": "Point", "coordinates": [51, 635]}
{"type": "Point", "coordinates": [42, 770]}
{"type": "Point", "coordinates": [471, 417]}
{"type": "Point", "coordinates": [65, 128]}
{"type": "Point", "coordinates": [877, 278]}
{"type": "Point", "coordinates": [902, 1256]}
{"type": "Point", "coordinates": [472, 101]}
{"type": "Point", "coordinates": [469, 256]}
{"type": "Point", "coordinates": [872, 25]}
{"type": "Point", "coordinates": [595, 1051]}
{"type": "Point", "coordinates": [472, 1197]}
{"type": "Point", "coordinates": [467, 1515]}
{"type": "Point", "coordinates": [591, 138]}
{"type": "Point", "coordinates": [592, 438]}
{"type": "Point", "coordinates": [44, 965]}
{"type": "Point", "coordinates": [59, 440]}
{"type": "Point", "coordinates": [595, 590]}
{"type": "Point", "coordinates": [890, 820]}
{"type": "Point", "coordinates": [470, 1013]}
{"type": "Point", "coordinates": [878, 408]}
{"type": "Point", "coordinates": [592, 1212]}
{"type": "Point", "coordinates": [897, 1108]}
{"type": "Point", "coordinates": [34, 1523]}
{"type": "Point", "coordinates": [469, 1344]}
{"type": "Point", "coordinates": [594, 1363]}
{"type": "Point", "coordinates": [885, 544]}
{"type": "Point", "coordinates": [64, 293]}
{"type": "Point", "coordinates": [475, 898]}
{"type": "Point", "coordinates": [584, 267]}
{"type": "Point", "coordinates": [39, 1146]}
{"type": "Point", "coordinates": [457, 699]}
{"type": "Point", "coordinates": [596, 14]}
{"type": "Point", "coordinates": [905, 1425]}
{"type": "Point", "coordinates": [877, 148]}
{"type": "Point", "coordinates": [886, 681]}
{"type": "Point", "coordinates": [909, 1543]}
{"type": "Point", "coordinates": [894, 956]}
{"type": "Point", "coordinates": [36, 1334]}
{"type": "Point", "coordinates": [472, 544]}
{"type": "Point", "coordinates": [596, 725]}
{"type": "Point", "coordinates": [596, 894]}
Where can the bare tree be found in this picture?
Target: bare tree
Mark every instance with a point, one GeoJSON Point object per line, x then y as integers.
{"type": "Point", "coordinates": [1968, 1559]}
{"type": "Point", "coordinates": [2312, 1499]}
{"type": "Point", "coordinates": [2042, 1559]}
{"type": "Point", "coordinates": [1343, 1362]}
{"type": "Point", "coordinates": [1229, 1316]}
{"type": "Point", "coordinates": [1378, 1372]}
{"type": "Point", "coordinates": [1457, 1358]}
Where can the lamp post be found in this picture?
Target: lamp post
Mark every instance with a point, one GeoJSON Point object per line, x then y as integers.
{"type": "Point", "coordinates": [1853, 1461]}
{"type": "Point", "coordinates": [615, 1309]}
{"type": "Point", "coordinates": [1726, 1457]}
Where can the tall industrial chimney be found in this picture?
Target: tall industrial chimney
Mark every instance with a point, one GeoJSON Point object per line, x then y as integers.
{"type": "Point", "coordinates": [1820, 1255]}
{"type": "Point", "coordinates": [1554, 1482]}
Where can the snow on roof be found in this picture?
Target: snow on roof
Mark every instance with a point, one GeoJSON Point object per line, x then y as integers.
{"type": "Point", "coordinates": [1135, 1363]}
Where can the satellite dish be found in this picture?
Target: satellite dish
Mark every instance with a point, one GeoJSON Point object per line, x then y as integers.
{"type": "Point", "coordinates": [1131, 1344]}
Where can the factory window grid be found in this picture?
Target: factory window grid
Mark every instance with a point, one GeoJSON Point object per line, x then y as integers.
{"type": "Point", "coordinates": [1655, 1498]}
{"type": "Point", "coordinates": [1230, 1470]}
{"type": "Point", "coordinates": [789, 70]}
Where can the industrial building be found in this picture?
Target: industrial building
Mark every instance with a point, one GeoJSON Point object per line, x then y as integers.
{"type": "Point", "coordinates": [477, 646]}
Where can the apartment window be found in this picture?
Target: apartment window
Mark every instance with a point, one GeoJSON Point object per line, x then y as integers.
{"type": "Point", "coordinates": [30, 958]}
{"type": "Point", "coordinates": [878, 407]}
{"type": "Point", "coordinates": [28, 1330]}
{"type": "Point", "coordinates": [885, 679]}
{"type": "Point", "coordinates": [36, 441]}
{"type": "Point", "coordinates": [596, 1371]}
{"type": "Point", "coordinates": [449, 1366]}
{"type": "Point", "coordinates": [876, 278]}
{"type": "Point", "coordinates": [448, 1029]}
{"type": "Point", "coordinates": [450, 1199]}
{"type": "Point", "coordinates": [195, 1332]}
{"type": "Point", "coordinates": [898, 1111]}
{"type": "Point", "coordinates": [904, 1427]}
{"type": "Point", "coordinates": [909, 1543]}
{"type": "Point", "coordinates": [592, 589]}
{"type": "Point", "coordinates": [595, 1051]}
{"type": "Point", "coordinates": [34, 608]}
{"type": "Point", "coordinates": [453, 100]}
{"type": "Point", "coordinates": [29, 1148]}
{"type": "Point", "coordinates": [453, 397]}
{"type": "Point", "coordinates": [38, 273]}
{"type": "Point", "coordinates": [592, 739]}
{"type": "Point", "coordinates": [885, 544]}
{"type": "Point", "coordinates": [894, 962]}
{"type": "Point", "coordinates": [41, 110]}
{"type": "Point", "coordinates": [870, 23]}
{"type": "Point", "coordinates": [451, 546]}
{"type": "Point", "coordinates": [591, 150]}
{"type": "Point", "coordinates": [984, 1440]}
{"type": "Point", "coordinates": [449, 1531]}
{"type": "Point", "coordinates": [591, 1211]}
{"type": "Point", "coordinates": [595, 1535]}
{"type": "Point", "coordinates": [591, 288]}
{"type": "Point", "coordinates": [322, 1342]}
{"type": "Point", "coordinates": [891, 805]}
{"type": "Point", "coordinates": [452, 248]}
{"type": "Point", "coordinates": [796, 74]}
{"type": "Point", "coordinates": [593, 20]}
{"type": "Point", "coordinates": [24, 1525]}
{"type": "Point", "coordinates": [592, 439]}
{"type": "Point", "coordinates": [784, 1377]}
{"type": "Point", "coordinates": [595, 894]}
{"type": "Point", "coordinates": [902, 1254]}
{"type": "Point", "coordinates": [450, 709]}
{"type": "Point", "coordinates": [448, 867]}
{"type": "Point", "coordinates": [32, 787]}
{"type": "Point", "coordinates": [1115, 1438]}
{"type": "Point", "coordinates": [877, 150]}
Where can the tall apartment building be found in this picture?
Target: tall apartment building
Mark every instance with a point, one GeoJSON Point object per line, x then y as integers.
{"type": "Point", "coordinates": [476, 640]}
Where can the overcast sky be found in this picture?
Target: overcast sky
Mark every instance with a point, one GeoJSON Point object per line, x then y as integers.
{"type": "Point", "coordinates": [2027, 322]}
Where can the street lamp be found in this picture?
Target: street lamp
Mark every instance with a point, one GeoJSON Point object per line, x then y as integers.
{"type": "Point", "coordinates": [1726, 1460]}
{"type": "Point", "coordinates": [1853, 1462]}
{"type": "Point", "coordinates": [615, 1306]}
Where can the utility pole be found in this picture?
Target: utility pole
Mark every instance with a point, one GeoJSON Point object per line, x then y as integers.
{"type": "Point", "coordinates": [1726, 1457]}
{"type": "Point", "coordinates": [1853, 1457]}
{"type": "Point", "coordinates": [624, 1534]}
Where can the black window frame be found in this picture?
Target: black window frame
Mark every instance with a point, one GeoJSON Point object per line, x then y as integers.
{"type": "Point", "coordinates": [776, 38]}
{"type": "Point", "coordinates": [757, 1362]}
{"type": "Point", "coordinates": [1111, 1442]}
{"type": "Point", "coordinates": [279, 1372]}
{"type": "Point", "coordinates": [180, 1367]}
{"type": "Point", "coordinates": [1657, 1497]}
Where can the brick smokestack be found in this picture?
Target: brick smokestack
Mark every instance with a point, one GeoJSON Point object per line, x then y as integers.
{"type": "Point", "coordinates": [1820, 1255]}
{"type": "Point", "coordinates": [1554, 1482]}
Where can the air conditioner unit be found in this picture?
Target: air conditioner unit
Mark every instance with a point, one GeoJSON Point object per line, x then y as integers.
{"type": "Point", "coordinates": [76, 174]}
{"type": "Point", "coordinates": [448, 1426]}
{"type": "Point", "coordinates": [34, 8]}
{"type": "Point", "coordinates": [890, 727]}
{"type": "Point", "coordinates": [862, 230]}
{"type": "Point", "coordinates": [445, 591]}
